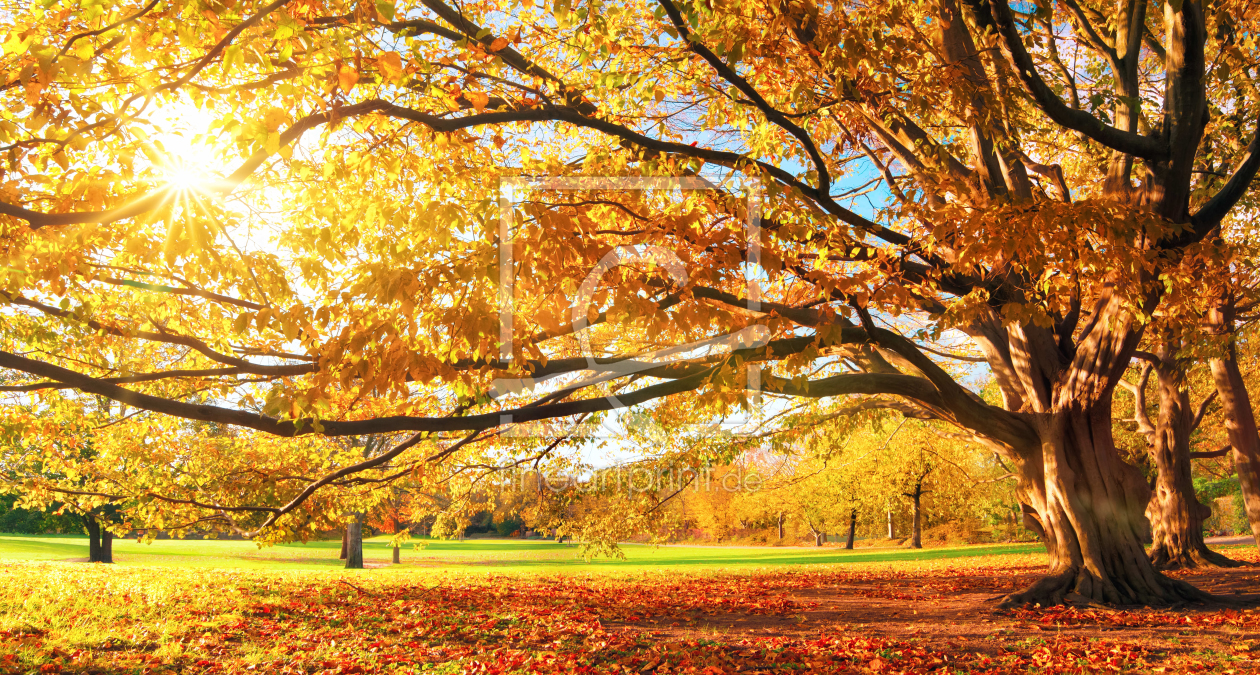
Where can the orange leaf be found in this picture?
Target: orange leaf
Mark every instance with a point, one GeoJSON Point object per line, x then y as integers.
{"type": "Point", "coordinates": [390, 65]}
{"type": "Point", "coordinates": [347, 77]}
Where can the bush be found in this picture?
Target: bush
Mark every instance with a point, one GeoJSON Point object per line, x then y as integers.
{"type": "Point", "coordinates": [508, 525]}
{"type": "Point", "coordinates": [25, 521]}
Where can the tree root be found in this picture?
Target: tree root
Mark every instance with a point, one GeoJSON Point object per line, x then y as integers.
{"type": "Point", "coordinates": [1078, 587]}
{"type": "Point", "coordinates": [1192, 558]}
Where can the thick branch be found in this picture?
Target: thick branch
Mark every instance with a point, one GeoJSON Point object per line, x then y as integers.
{"type": "Point", "coordinates": [1049, 102]}
{"type": "Point", "coordinates": [1213, 454]}
{"type": "Point", "coordinates": [1210, 214]}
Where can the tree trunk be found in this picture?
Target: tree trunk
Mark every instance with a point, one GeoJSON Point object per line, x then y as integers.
{"type": "Point", "coordinates": [848, 543]}
{"type": "Point", "coordinates": [354, 545]}
{"type": "Point", "coordinates": [782, 519]}
{"type": "Point", "coordinates": [819, 538]}
{"type": "Point", "coordinates": [107, 546]}
{"type": "Point", "coordinates": [397, 556]}
{"type": "Point", "coordinates": [1240, 420]}
{"type": "Point", "coordinates": [916, 536]}
{"type": "Point", "coordinates": [94, 537]}
{"type": "Point", "coordinates": [1174, 511]}
{"type": "Point", "coordinates": [1090, 505]}
{"type": "Point", "coordinates": [890, 525]}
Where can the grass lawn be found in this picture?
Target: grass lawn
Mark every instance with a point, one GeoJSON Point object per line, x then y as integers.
{"type": "Point", "coordinates": [491, 555]}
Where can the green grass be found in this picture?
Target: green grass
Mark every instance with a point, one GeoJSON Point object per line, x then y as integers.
{"type": "Point", "coordinates": [490, 555]}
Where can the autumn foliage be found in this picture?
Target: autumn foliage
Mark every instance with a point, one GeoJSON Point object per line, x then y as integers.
{"type": "Point", "coordinates": [898, 618]}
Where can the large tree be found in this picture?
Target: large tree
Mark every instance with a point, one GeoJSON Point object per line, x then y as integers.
{"type": "Point", "coordinates": [1023, 174]}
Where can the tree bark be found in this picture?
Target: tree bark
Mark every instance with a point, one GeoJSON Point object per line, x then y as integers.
{"type": "Point", "coordinates": [848, 542]}
{"type": "Point", "coordinates": [107, 546]}
{"type": "Point", "coordinates": [94, 537]}
{"type": "Point", "coordinates": [354, 544]}
{"type": "Point", "coordinates": [397, 559]}
{"type": "Point", "coordinates": [1090, 505]}
{"type": "Point", "coordinates": [1174, 511]}
{"type": "Point", "coordinates": [890, 525]}
{"type": "Point", "coordinates": [916, 532]}
{"type": "Point", "coordinates": [1240, 420]}
{"type": "Point", "coordinates": [782, 519]}
{"type": "Point", "coordinates": [916, 498]}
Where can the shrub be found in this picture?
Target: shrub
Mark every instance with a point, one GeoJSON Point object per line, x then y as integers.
{"type": "Point", "coordinates": [507, 526]}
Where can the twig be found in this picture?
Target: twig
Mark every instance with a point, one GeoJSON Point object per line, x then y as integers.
{"type": "Point", "coordinates": [365, 592]}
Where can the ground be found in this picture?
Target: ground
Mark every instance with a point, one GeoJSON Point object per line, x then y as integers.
{"type": "Point", "coordinates": [503, 606]}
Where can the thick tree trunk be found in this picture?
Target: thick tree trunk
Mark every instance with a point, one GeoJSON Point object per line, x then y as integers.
{"type": "Point", "coordinates": [890, 525]}
{"type": "Point", "coordinates": [94, 537]}
{"type": "Point", "coordinates": [397, 560]}
{"type": "Point", "coordinates": [1090, 505]}
{"type": "Point", "coordinates": [782, 519]}
{"type": "Point", "coordinates": [107, 546]}
{"type": "Point", "coordinates": [1174, 511]}
{"type": "Point", "coordinates": [848, 542]}
{"type": "Point", "coordinates": [354, 544]}
{"type": "Point", "coordinates": [1240, 424]}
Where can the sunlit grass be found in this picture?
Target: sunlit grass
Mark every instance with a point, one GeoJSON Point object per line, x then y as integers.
{"type": "Point", "coordinates": [485, 555]}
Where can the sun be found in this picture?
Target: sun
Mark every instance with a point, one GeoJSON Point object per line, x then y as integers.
{"type": "Point", "coordinates": [185, 176]}
{"type": "Point", "coordinates": [190, 160]}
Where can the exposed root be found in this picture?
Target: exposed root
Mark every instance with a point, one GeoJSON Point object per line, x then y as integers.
{"type": "Point", "coordinates": [1078, 587]}
{"type": "Point", "coordinates": [1193, 557]}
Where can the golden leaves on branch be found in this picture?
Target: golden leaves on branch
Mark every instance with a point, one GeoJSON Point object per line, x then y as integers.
{"type": "Point", "coordinates": [1064, 249]}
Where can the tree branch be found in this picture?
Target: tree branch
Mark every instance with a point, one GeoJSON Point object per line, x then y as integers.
{"type": "Point", "coordinates": [1203, 407]}
{"type": "Point", "coordinates": [1213, 454]}
{"type": "Point", "coordinates": [1049, 102]}
{"type": "Point", "coordinates": [1219, 205]}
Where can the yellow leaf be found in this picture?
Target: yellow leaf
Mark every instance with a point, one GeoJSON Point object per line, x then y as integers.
{"type": "Point", "coordinates": [479, 100]}
{"type": "Point", "coordinates": [275, 117]}
{"type": "Point", "coordinates": [347, 77]}
{"type": "Point", "coordinates": [498, 45]}
{"type": "Point", "coordinates": [390, 65]}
